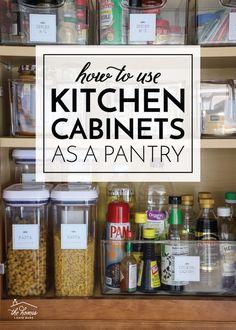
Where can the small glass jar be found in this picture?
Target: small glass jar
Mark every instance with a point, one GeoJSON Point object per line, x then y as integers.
{"type": "Point", "coordinates": [23, 102]}
{"type": "Point", "coordinates": [24, 165]}
{"type": "Point", "coordinates": [74, 215]}
{"type": "Point", "coordinates": [26, 223]}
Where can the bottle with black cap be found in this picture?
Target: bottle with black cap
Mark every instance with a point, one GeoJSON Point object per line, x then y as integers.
{"type": "Point", "coordinates": [170, 250]}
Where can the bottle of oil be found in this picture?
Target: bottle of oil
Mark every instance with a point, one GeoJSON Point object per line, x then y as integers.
{"type": "Point", "coordinates": [189, 216]}
{"type": "Point", "coordinates": [208, 248]}
{"type": "Point", "coordinates": [174, 248]}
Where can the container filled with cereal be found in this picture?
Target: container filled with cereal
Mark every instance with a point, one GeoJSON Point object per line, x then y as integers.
{"type": "Point", "coordinates": [26, 224]}
{"type": "Point", "coordinates": [74, 214]}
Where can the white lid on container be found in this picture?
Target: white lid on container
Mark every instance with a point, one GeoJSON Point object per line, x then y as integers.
{"type": "Point", "coordinates": [74, 192]}
{"type": "Point", "coordinates": [24, 156]}
{"type": "Point", "coordinates": [223, 211]}
{"type": "Point", "coordinates": [26, 193]}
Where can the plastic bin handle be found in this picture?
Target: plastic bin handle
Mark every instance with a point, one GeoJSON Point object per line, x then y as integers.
{"type": "Point", "coordinates": [227, 3]}
{"type": "Point", "coordinates": [159, 5]}
{"type": "Point", "coordinates": [50, 6]}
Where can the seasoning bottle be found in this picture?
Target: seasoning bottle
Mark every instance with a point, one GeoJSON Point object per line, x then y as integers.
{"type": "Point", "coordinates": [230, 200]}
{"type": "Point", "coordinates": [189, 216]}
{"type": "Point", "coordinates": [118, 223]}
{"type": "Point", "coordinates": [139, 221]}
{"type": "Point", "coordinates": [162, 31]}
{"type": "Point", "coordinates": [172, 249]}
{"type": "Point", "coordinates": [123, 192]}
{"type": "Point", "coordinates": [208, 248]}
{"type": "Point", "coordinates": [227, 232]}
{"type": "Point", "coordinates": [128, 268]}
{"type": "Point", "coordinates": [67, 24]}
{"type": "Point", "coordinates": [148, 279]}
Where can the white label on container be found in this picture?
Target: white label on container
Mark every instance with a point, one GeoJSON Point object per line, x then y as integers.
{"type": "Point", "coordinates": [132, 276]}
{"type": "Point", "coordinates": [73, 236]}
{"type": "Point", "coordinates": [25, 237]}
{"type": "Point", "coordinates": [187, 269]}
{"type": "Point", "coordinates": [28, 177]}
{"type": "Point", "coordinates": [142, 27]}
{"type": "Point", "coordinates": [232, 26]}
{"type": "Point", "coordinates": [42, 28]}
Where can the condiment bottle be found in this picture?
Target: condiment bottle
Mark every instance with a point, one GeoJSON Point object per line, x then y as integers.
{"type": "Point", "coordinates": [118, 223]}
{"type": "Point", "coordinates": [172, 249]}
{"type": "Point", "coordinates": [67, 24]}
{"type": "Point", "coordinates": [139, 221]}
{"type": "Point", "coordinates": [208, 249]}
{"type": "Point", "coordinates": [148, 279]}
{"type": "Point", "coordinates": [189, 216]}
{"type": "Point", "coordinates": [230, 200]}
{"type": "Point", "coordinates": [227, 232]}
{"type": "Point", "coordinates": [162, 31]}
{"type": "Point", "coordinates": [128, 268]}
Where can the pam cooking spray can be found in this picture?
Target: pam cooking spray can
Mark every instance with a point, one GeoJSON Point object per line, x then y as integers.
{"type": "Point", "coordinates": [118, 223]}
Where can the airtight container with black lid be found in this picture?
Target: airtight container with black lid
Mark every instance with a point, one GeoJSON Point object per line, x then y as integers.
{"type": "Point", "coordinates": [24, 165]}
{"type": "Point", "coordinates": [74, 218]}
{"type": "Point", "coordinates": [26, 224]}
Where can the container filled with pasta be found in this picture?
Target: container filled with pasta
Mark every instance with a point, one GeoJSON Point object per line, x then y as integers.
{"type": "Point", "coordinates": [26, 223]}
{"type": "Point", "coordinates": [74, 215]}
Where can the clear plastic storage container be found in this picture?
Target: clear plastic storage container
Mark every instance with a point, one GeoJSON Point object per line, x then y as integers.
{"type": "Point", "coordinates": [45, 21]}
{"type": "Point", "coordinates": [218, 108]}
{"type": "Point", "coordinates": [215, 22]}
{"type": "Point", "coordinates": [198, 266]}
{"type": "Point", "coordinates": [23, 102]}
{"type": "Point", "coordinates": [26, 225]}
{"type": "Point", "coordinates": [74, 214]}
{"type": "Point", "coordinates": [160, 22]}
{"type": "Point", "coordinates": [24, 165]}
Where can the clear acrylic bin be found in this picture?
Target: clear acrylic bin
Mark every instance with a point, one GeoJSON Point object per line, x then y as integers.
{"type": "Point", "coordinates": [218, 108]}
{"type": "Point", "coordinates": [45, 21]}
{"type": "Point", "coordinates": [184, 267]}
{"type": "Point", "coordinates": [215, 22]}
{"type": "Point", "coordinates": [160, 22]}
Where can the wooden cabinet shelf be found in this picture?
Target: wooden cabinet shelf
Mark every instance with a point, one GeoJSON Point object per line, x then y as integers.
{"type": "Point", "coordinates": [12, 142]}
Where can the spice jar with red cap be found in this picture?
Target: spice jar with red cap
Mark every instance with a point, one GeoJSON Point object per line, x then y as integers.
{"type": "Point", "coordinates": [162, 31]}
{"type": "Point", "coordinates": [118, 223]}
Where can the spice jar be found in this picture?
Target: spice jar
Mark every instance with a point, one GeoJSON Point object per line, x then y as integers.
{"type": "Point", "coordinates": [23, 102]}
{"type": "Point", "coordinates": [162, 31]}
{"type": "Point", "coordinates": [74, 215]}
{"type": "Point", "coordinates": [24, 165]}
{"type": "Point", "coordinates": [26, 223]}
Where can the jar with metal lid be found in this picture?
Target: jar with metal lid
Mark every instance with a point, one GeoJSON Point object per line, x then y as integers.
{"type": "Point", "coordinates": [23, 102]}
{"type": "Point", "coordinates": [24, 165]}
{"type": "Point", "coordinates": [26, 223]}
{"type": "Point", "coordinates": [74, 216]}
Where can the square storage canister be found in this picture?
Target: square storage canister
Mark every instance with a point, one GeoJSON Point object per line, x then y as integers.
{"type": "Point", "coordinates": [218, 108]}
{"type": "Point", "coordinates": [26, 224]}
{"type": "Point", "coordinates": [215, 22]}
{"type": "Point", "coordinates": [145, 22]}
{"type": "Point", "coordinates": [45, 21]}
{"type": "Point", "coordinates": [74, 214]}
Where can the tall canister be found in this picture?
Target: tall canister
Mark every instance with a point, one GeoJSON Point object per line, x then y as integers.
{"type": "Point", "coordinates": [26, 225]}
{"type": "Point", "coordinates": [74, 215]}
